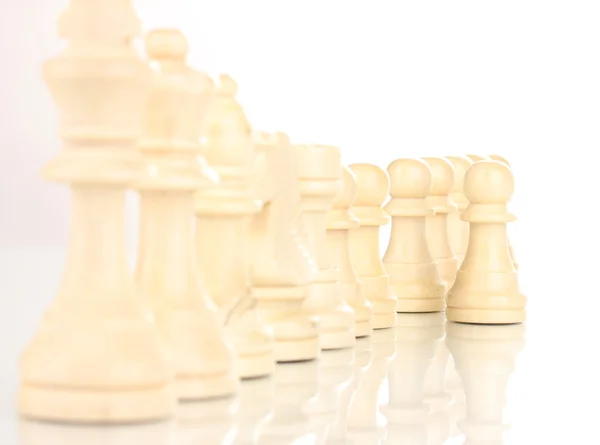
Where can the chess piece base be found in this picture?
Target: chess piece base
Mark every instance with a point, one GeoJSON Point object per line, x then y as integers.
{"type": "Point", "coordinates": [383, 302]}
{"type": "Point", "coordinates": [108, 406]}
{"type": "Point", "coordinates": [337, 339]}
{"type": "Point", "coordinates": [418, 305]}
{"type": "Point", "coordinates": [363, 312]}
{"type": "Point", "coordinates": [253, 366]}
{"type": "Point", "coordinates": [363, 328]}
{"type": "Point", "coordinates": [385, 320]}
{"type": "Point", "coordinates": [447, 267]}
{"type": "Point", "coordinates": [190, 388]}
{"type": "Point", "coordinates": [296, 350]}
{"type": "Point", "coordinates": [254, 344]}
{"type": "Point", "coordinates": [417, 286]}
{"type": "Point", "coordinates": [486, 316]}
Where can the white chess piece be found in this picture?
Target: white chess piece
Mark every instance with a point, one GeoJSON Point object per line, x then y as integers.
{"type": "Point", "coordinates": [97, 356]}
{"type": "Point", "coordinates": [414, 275]}
{"type": "Point", "coordinates": [319, 170]}
{"type": "Point", "coordinates": [223, 216]}
{"type": "Point", "coordinates": [406, 412]}
{"type": "Point", "coordinates": [436, 225]}
{"type": "Point", "coordinates": [339, 220]}
{"type": "Point", "coordinates": [486, 290]}
{"type": "Point", "coordinates": [167, 273]}
{"type": "Point", "coordinates": [281, 269]}
{"type": "Point", "coordinates": [485, 358]}
{"type": "Point", "coordinates": [373, 186]}
{"type": "Point", "coordinates": [510, 247]}
{"type": "Point", "coordinates": [458, 230]}
{"type": "Point", "coordinates": [477, 158]}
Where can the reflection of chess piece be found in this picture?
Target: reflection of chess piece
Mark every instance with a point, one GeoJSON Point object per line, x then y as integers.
{"type": "Point", "coordinates": [209, 422]}
{"type": "Point", "coordinates": [458, 230]}
{"type": "Point", "coordinates": [329, 408]}
{"type": "Point", "coordinates": [484, 357]}
{"type": "Point", "coordinates": [257, 397]}
{"type": "Point", "coordinates": [365, 423]}
{"type": "Point", "coordinates": [97, 356]}
{"type": "Point", "coordinates": [223, 216]}
{"type": "Point", "coordinates": [280, 269]}
{"type": "Point", "coordinates": [167, 273]}
{"type": "Point", "coordinates": [372, 188]}
{"type": "Point", "coordinates": [339, 221]}
{"type": "Point", "coordinates": [407, 412]}
{"type": "Point", "coordinates": [487, 286]}
{"type": "Point", "coordinates": [296, 387]}
{"type": "Point", "coordinates": [437, 397]}
{"type": "Point", "coordinates": [319, 170]}
{"type": "Point", "coordinates": [454, 385]}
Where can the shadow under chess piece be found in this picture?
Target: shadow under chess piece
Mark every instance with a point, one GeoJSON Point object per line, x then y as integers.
{"type": "Point", "coordinates": [281, 268]}
{"type": "Point", "coordinates": [458, 230]}
{"type": "Point", "coordinates": [406, 412]}
{"type": "Point", "coordinates": [486, 290]}
{"type": "Point", "coordinates": [414, 275]}
{"type": "Point", "coordinates": [484, 357]}
{"type": "Point", "coordinates": [320, 170]}
{"type": "Point", "coordinates": [223, 217]}
{"type": "Point", "coordinates": [436, 226]}
{"type": "Point", "coordinates": [339, 221]}
{"type": "Point", "coordinates": [167, 272]}
{"type": "Point", "coordinates": [97, 356]}
{"type": "Point", "coordinates": [372, 189]}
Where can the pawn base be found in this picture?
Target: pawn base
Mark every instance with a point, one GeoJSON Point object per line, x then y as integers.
{"type": "Point", "coordinates": [363, 328]}
{"type": "Point", "coordinates": [420, 305]}
{"type": "Point", "coordinates": [384, 321]}
{"type": "Point", "coordinates": [297, 350]}
{"type": "Point", "coordinates": [205, 387]}
{"type": "Point", "coordinates": [486, 316]}
{"type": "Point", "coordinates": [254, 366]}
{"type": "Point", "coordinates": [337, 339]}
{"type": "Point", "coordinates": [95, 406]}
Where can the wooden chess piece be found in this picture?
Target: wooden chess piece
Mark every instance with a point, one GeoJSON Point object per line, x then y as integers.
{"type": "Point", "coordinates": [510, 247]}
{"type": "Point", "coordinates": [167, 272]}
{"type": "Point", "coordinates": [458, 230]}
{"type": "Point", "coordinates": [485, 358]}
{"type": "Point", "coordinates": [281, 269]}
{"type": "Point", "coordinates": [373, 186]}
{"type": "Point", "coordinates": [414, 276]}
{"type": "Point", "coordinates": [223, 217]}
{"type": "Point", "coordinates": [97, 356]}
{"type": "Point", "coordinates": [339, 220]}
{"type": "Point", "coordinates": [436, 226]}
{"type": "Point", "coordinates": [477, 158]}
{"type": "Point", "coordinates": [486, 290]}
{"type": "Point", "coordinates": [320, 170]}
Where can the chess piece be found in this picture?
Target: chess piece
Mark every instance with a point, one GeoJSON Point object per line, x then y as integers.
{"type": "Point", "coordinates": [413, 274]}
{"type": "Point", "coordinates": [167, 273]}
{"type": "Point", "coordinates": [339, 221]}
{"type": "Point", "coordinates": [485, 357]}
{"type": "Point", "coordinates": [510, 247]}
{"type": "Point", "coordinates": [436, 226]}
{"type": "Point", "coordinates": [97, 356]}
{"type": "Point", "coordinates": [406, 412]}
{"type": "Point", "coordinates": [477, 158]}
{"type": "Point", "coordinates": [223, 216]}
{"type": "Point", "coordinates": [281, 269]}
{"type": "Point", "coordinates": [486, 290]}
{"type": "Point", "coordinates": [373, 186]}
{"type": "Point", "coordinates": [320, 170]}
{"type": "Point", "coordinates": [458, 230]}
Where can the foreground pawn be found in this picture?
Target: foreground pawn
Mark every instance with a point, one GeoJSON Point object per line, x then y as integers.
{"type": "Point", "coordinates": [97, 356]}
{"type": "Point", "coordinates": [485, 358]}
{"type": "Point", "coordinates": [458, 230]}
{"type": "Point", "coordinates": [442, 174]}
{"type": "Point", "coordinates": [477, 158]}
{"type": "Point", "coordinates": [167, 273]}
{"type": "Point", "coordinates": [223, 216]}
{"type": "Point", "coordinates": [487, 287]}
{"type": "Point", "coordinates": [319, 170]}
{"type": "Point", "coordinates": [339, 221]}
{"type": "Point", "coordinates": [281, 270]}
{"type": "Point", "coordinates": [413, 274]}
{"type": "Point", "coordinates": [373, 186]}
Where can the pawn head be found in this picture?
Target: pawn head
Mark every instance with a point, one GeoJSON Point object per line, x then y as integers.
{"type": "Point", "coordinates": [164, 44]}
{"type": "Point", "coordinates": [489, 182]}
{"type": "Point", "coordinates": [348, 189]}
{"type": "Point", "coordinates": [442, 174]}
{"type": "Point", "coordinates": [409, 178]}
{"type": "Point", "coordinates": [373, 184]}
{"type": "Point", "coordinates": [460, 164]}
{"type": "Point", "coordinates": [499, 159]}
{"type": "Point", "coordinates": [477, 158]}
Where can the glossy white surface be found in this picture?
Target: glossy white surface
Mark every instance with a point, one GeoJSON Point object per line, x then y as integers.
{"type": "Point", "coordinates": [390, 389]}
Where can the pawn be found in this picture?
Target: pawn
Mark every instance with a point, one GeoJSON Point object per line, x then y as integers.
{"type": "Point", "coordinates": [437, 225]}
{"type": "Point", "coordinates": [414, 276]}
{"type": "Point", "coordinates": [373, 186]}
{"type": "Point", "coordinates": [486, 290]}
{"type": "Point", "coordinates": [510, 248]}
{"type": "Point", "coordinates": [458, 230]}
{"type": "Point", "coordinates": [339, 221]}
{"type": "Point", "coordinates": [477, 158]}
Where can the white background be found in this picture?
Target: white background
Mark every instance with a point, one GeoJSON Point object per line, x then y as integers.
{"type": "Point", "coordinates": [381, 79]}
